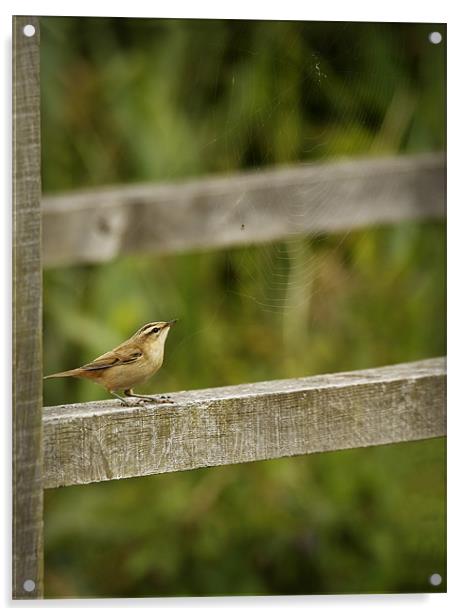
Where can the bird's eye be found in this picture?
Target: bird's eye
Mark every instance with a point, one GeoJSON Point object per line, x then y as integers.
{"type": "Point", "coordinates": [154, 330]}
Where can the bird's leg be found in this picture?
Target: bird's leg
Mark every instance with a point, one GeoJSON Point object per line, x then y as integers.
{"type": "Point", "coordinates": [125, 402]}
{"type": "Point", "coordinates": [163, 399]}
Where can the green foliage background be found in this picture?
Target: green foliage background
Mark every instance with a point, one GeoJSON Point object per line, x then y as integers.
{"type": "Point", "coordinates": [126, 100]}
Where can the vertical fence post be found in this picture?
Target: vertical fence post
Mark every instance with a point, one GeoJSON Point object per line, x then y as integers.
{"type": "Point", "coordinates": [27, 314]}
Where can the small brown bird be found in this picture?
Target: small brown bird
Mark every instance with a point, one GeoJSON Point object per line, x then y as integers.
{"type": "Point", "coordinates": [129, 364]}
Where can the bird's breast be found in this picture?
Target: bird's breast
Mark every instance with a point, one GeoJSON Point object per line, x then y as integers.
{"type": "Point", "coordinates": [154, 360]}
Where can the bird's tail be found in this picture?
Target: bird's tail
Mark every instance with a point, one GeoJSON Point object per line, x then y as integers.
{"type": "Point", "coordinates": [60, 374]}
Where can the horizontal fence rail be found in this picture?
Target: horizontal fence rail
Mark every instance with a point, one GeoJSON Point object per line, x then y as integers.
{"type": "Point", "coordinates": [99, 441]}
{"type": "Point", "coordinates": [98, 225]}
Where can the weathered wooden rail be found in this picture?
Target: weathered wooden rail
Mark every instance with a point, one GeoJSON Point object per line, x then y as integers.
{"type": "Point", "coordinates": [27, 316]}
{"type": "Point", "coordinates": [101, 224]}
{"type": "Point", "coordinates": [98, 441]}
{"type": "Point", "coordinates": [82, 443]}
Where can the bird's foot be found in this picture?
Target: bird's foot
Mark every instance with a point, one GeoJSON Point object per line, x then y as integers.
{"type": "Point", "coordinates": [129, 403]}
{"type": "Point", "coordinates": [145, 399]}
{"type": "Point", "coordinates": [160, 399]}
{"type": "Point", "coordinates": [163, 399]}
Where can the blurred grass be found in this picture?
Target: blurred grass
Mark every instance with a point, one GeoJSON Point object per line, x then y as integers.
{"type": "Point", "coordinates": [346, 522]}
{"type": "Point", "coordinates": [136, 100]}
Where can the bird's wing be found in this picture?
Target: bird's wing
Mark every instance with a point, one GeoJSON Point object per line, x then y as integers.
{"type": "Point", "coordinates": [126, 354]}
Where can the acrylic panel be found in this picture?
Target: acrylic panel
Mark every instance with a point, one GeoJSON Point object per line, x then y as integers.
{"type": "Point", "coordinates": [278, 187]}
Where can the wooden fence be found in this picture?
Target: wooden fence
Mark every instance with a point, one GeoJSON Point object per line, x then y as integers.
{"type": "Point", "coordinates": [257, 421]}
{"type": "Point", "coordinates": [98, 441]}
{"type": "Point", "coordinates": [98, 225]}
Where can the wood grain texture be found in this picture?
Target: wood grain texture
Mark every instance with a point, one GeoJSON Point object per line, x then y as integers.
{"type": "Point", "coordinates": [27, 316]}
{"type": "Point", "coordinates": [103, 440]}
{"type": "Point", "coordinates": [98, 225]}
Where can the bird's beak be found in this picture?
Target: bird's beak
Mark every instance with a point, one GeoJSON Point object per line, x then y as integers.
{"type": "Point", "coordinates": [170, 323]}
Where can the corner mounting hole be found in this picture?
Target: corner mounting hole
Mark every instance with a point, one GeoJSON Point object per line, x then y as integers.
{"type": "Point", "coordinates": [29, 585]}
{"type": "Point", "coordinates": [435, 579]}
{"type": "Point", "coordinates": [435, 38]}
{"type": "Point", "coordinates": [29, 30]}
